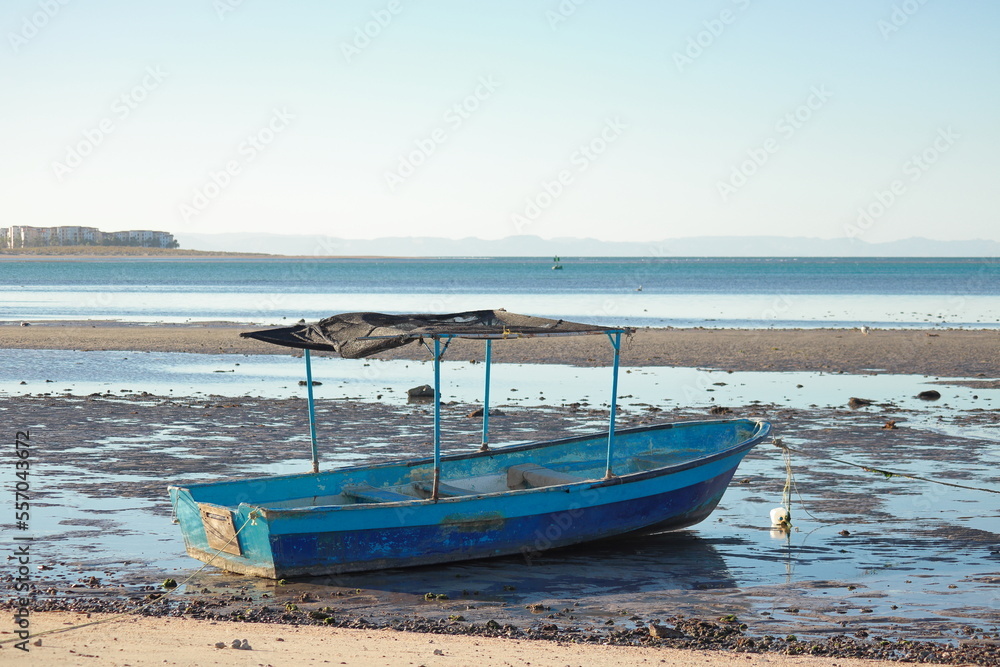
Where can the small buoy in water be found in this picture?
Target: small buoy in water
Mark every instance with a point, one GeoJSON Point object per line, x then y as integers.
{"type": "Point", "coordinates": [781, 518]}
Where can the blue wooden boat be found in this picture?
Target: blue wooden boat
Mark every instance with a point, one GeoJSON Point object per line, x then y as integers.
{"type": "Point", "coordinates": [493, 501]}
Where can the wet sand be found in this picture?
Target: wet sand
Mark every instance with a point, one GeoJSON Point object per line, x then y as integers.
{"type": "Point", "coordinates": [107, 454]}
{"type": "Point", "coordinates": [942, 352]}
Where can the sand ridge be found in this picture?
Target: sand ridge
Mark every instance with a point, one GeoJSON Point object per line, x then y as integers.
{"type": "Point", "coordinates": [941, 352]}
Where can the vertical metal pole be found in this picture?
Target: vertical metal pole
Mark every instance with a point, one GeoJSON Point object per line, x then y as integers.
{"type": "Point", "coordinates": [616, 342]}
{"type": "Point", "coordinates": [312, 413]}
{"type": "Point", "coordinates": [486, 398]}
{"type": "Point", "coordinates": [437, 418]}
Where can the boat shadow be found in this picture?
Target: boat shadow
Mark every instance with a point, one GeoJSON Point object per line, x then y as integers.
{"type": "Point", "coordinates": [678, 560]}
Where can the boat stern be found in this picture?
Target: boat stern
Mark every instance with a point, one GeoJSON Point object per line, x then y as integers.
{"type": "Point", "coordinates": [233, 539]}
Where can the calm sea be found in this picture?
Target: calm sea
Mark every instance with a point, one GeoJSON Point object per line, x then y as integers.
{"type": "Point", "coordinates": [716, 292]}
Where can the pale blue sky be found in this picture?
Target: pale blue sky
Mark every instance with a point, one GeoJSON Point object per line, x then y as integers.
{"type": "Point", "coordinates": [676, 128]}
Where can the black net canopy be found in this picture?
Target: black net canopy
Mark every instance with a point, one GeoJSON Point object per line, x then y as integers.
{"type": "Point", "coordinates": [356, 335]}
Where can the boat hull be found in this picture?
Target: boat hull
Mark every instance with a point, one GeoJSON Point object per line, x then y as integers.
{"type": "Point", "coordinates": [276, 539]}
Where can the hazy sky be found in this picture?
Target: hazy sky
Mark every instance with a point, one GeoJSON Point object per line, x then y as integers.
{"type": "Point", "coordinates": [629, 120]}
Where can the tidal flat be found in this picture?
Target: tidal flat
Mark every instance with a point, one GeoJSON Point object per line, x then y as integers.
{"type": "Point", "coordinates": [868, 556]}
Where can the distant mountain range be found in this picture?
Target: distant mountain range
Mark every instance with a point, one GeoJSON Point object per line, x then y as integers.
{"type": "Point", "coordinates": [534, 246]}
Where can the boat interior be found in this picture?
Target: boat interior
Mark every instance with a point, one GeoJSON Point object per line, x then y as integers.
{"type": "Point", "coordinates": [502, 469]}
{"type": "Point", "coordinates": [516, 477]}
{"type": "Point", "coordinates": [512, 478]}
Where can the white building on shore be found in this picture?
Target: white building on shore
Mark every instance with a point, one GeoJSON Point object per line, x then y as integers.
{"type": "Point", "coordinates": [26, 236]}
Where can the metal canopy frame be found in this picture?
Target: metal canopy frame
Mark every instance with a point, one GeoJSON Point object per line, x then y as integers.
{"type": "Point", "coordinates": [614, 336]}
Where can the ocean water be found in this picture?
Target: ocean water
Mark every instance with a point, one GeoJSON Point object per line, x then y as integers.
{"type": "Point", "coordinates": [715, 292]}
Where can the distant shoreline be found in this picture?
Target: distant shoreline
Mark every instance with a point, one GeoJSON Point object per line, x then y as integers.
{"type": "Point", "coordinates": [99, 253]}
{"type": "Point", "coordinates": [112, 252]}
{"type": "Point", "coordinates": [96, 253]}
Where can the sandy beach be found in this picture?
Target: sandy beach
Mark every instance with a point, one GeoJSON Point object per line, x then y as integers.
{"type": "Point", "coordinates": [946, 352]}
{"type": "Point", "coordinates": [179, 641]}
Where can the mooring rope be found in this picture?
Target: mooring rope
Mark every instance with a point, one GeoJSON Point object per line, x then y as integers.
{"type": "Point", "coordinates": [253, 515]}
{"type": "Point", "coordinates": [886, 473]}
{"type": "Point", "coordinates": [786, 493]}
{"type": "Point", "coordinates": [795, 485]}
